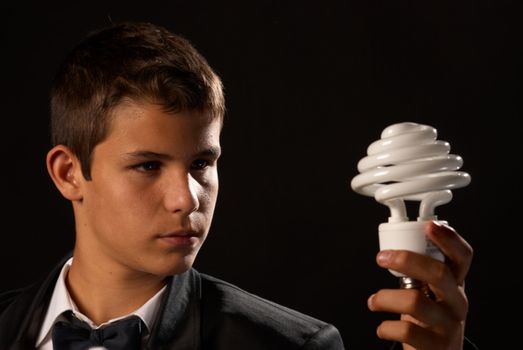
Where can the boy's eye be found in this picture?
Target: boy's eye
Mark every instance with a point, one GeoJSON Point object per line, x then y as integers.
{"type": "Point", "coordinates": [199, 164]}
{"type": "Point", "coordinates": [148, 166]}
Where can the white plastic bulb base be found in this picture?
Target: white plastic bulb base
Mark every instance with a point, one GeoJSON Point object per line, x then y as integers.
{"type": "Point", "coordinates": [408, 235]}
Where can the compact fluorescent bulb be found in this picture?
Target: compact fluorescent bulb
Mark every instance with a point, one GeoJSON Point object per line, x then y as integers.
{"type": "Point", "coordinates": [409, 164]}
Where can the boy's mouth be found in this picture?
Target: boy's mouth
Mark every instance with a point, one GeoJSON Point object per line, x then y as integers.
{"type": "Point", "coordinates": [180, 238]}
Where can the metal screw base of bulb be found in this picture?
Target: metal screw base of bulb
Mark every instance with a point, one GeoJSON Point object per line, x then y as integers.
{"type": "Point", "coordinates": [411, 283]}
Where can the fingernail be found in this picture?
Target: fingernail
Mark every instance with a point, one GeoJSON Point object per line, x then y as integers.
{"type": "Point", "coordinates": [370, 301]}
{"type": "Point", "coordinates": [440, 227]}
{"type": "Point", "coordinates": [384, 256]}
{"type": "Point", "coordinates": [437, 223]}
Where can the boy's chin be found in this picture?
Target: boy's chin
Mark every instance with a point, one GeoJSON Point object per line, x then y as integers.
{"type": "Point", "coordinates": [170, 268]}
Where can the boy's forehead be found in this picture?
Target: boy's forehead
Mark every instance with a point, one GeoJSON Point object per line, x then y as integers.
{"type": "Point", "coordinates": [142, 124]}
{"type": "Point", "coordinates": [133, 108]}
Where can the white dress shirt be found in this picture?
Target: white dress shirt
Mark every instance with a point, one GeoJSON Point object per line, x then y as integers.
{"type": "Point", "coordinates": [61, 301]}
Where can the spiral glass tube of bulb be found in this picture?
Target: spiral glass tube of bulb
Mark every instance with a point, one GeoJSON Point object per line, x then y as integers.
{"type": "Point", "coordinates": [408, 163]}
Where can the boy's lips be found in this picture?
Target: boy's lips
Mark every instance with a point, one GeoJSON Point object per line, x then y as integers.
{"type": "Point", "coordinates": [180, 238]}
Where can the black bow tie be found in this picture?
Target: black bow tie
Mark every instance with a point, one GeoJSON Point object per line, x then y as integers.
{"type": "Point", "coordinates": [74, 334]}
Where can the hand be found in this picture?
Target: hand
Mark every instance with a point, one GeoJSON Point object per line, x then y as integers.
{"type": "Point", "coordinates": [427, 323]}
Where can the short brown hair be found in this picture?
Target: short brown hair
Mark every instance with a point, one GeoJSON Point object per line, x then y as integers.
{"type": "Point", "coordinates": [139, 61]}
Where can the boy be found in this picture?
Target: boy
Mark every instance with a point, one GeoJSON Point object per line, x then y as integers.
{"type": "Point", "coordinates": [136, 118]}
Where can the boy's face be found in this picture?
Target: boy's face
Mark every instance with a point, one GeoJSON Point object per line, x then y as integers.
{"type": "Point", "coordinates": [154, 185]}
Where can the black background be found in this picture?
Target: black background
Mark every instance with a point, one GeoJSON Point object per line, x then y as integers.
{"type": "Point", "coordinates": [309, 85]}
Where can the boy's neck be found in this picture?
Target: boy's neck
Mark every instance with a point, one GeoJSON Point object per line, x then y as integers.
{"type": "Point", "coordinates": [103, 292]}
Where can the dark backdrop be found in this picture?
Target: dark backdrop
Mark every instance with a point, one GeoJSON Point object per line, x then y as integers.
{"type": "Point", "coordinates": [309, 85]}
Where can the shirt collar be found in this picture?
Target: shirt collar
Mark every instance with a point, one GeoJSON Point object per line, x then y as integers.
{"type": "Point", "coordinates": [61, 301]}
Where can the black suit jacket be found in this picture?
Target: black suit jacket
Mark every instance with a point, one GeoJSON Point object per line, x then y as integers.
{"type": "Point", "coordinates": [198, 312]}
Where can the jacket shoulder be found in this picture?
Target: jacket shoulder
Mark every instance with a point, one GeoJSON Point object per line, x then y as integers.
{"type": "Point", "coordinates": [6, 298]}
{"type": "Point", "coordinates": [14, 306]}
{"type": "Point", "coordinates": [22, 310]}
{"type": "Point", "coordinates": [249, 318]}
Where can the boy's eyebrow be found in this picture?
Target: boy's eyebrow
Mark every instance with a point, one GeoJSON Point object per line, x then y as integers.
{"type": "Point", "coordinates": [211, 151]}
{"type": "Point", "coordinates": [147, 154]}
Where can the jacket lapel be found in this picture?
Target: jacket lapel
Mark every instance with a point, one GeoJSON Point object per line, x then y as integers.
{"type": "Point", "coordinates": [178, 324]}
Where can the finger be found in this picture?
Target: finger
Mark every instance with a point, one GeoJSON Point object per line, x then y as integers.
{"type": "Point", "coordinates": [453, 246]}
{"type": "Point", "coordinates": [437, 274]}
{"type": "Point", "coordinates": [414, 303]}
{"type": "Point", "coordinates": [409, 333]}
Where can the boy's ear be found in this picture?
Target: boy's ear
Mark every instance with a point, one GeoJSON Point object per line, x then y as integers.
{"type": "Point", "coordinates": [65, 171]}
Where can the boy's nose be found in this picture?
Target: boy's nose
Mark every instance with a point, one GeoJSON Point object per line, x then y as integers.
{"type": "Point", "coordinates": [182, 194]}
